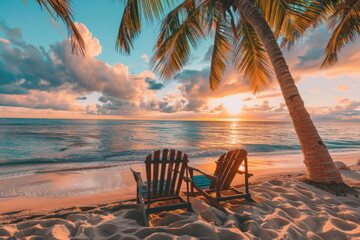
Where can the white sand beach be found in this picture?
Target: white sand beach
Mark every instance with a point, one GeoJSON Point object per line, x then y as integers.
{"type": "Point", "coordinates": [286, 208]}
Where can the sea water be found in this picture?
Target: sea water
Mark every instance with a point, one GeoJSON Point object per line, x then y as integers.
{"type": "Point", "coordinates": [35, 141]}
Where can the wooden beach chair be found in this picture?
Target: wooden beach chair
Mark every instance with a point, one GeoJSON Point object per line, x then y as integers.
{"type": "Point", "coordinates": [165, 172]}
{"type": "Point", "coordinates": [226, 169]}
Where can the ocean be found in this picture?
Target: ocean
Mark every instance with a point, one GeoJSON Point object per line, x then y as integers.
{"type": "Point", "coordinates": [27, 142]}
{"type": "Point", "coordinates": [34, 146]}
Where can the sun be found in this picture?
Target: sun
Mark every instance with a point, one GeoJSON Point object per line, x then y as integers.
{"type": "Point", "coordinates": [232, 103]}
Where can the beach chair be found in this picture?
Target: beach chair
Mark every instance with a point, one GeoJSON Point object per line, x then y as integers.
{"type": "Point", "coordinates": [226, 169]}
{"type": "Point", "coordinates": [165, 172]}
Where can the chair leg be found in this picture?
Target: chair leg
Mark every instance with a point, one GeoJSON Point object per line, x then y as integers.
{"type": "Point", "coordinates": [190, 209]}
{"type": "Point", "coordinates": [140, 201]}
{"type": "Point", "coordinates": [137, 195]}
{"type": "Point", "coordinates": [250, 199]}
{"type": "Point", "coordinates": [146, 220]}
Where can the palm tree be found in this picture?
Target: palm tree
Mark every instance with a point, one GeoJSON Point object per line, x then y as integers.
{"type": "Point", "coordinates": [62, 9]}
{"type": "Point", "coordinates": [242, 34]}
{"type": "Point", "coordinates": [344, 21]}
{"type": "Point", "coordinates": [319, 164]}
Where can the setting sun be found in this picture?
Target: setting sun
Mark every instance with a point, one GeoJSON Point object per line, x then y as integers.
{"type": "Point", "coordinates": [232, 103]}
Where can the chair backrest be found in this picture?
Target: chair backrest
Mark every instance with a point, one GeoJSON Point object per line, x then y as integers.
{"type": "Point", "coordinates": [165, 169]}
{"type": "Point", "coordinates": [227, 167]}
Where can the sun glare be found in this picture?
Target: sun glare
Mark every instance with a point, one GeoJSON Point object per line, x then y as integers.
{"type": "Point", "coordinates": [232, 104]}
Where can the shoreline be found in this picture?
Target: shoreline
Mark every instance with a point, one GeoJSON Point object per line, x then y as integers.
{"type": "Point", "coordinates": [98, 185]}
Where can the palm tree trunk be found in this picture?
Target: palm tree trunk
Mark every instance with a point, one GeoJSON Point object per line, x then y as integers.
{"type": "Point", "coordinates": [319, 164]}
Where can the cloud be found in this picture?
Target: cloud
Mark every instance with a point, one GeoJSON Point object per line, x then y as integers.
{"type": "Point", "coordinates": [81, 98]}
{"type": "Point", "coordinates": [220, 107]}
{"type": "Point", "coordinates": [261, 108]}
{"type": "Point", "coordinates": [343, 100]}
{"type": "Point", "coordinates": [59, 100]}
{"type": "Point", "coordinates": [54, 79]}
{"type": "Point", "coordinates": [153, 85]}
{"type": "Point", "coordinates": [307, 56]}
{"type": "Point", "coordinates": [26, 71]}
{"type": "Point", "coordinates": [4, 40]}
{"type": "Point", "coordinates": [342, 87]}
{"type": "Point", "coordinates": [348, 110]}
{"type": "Point", "coordinates": [281, 108]}
{"type": "Point", "coordinates": [145, 58]}
{"type": "Point", "coordinates": [315, 90]}
{"type": "Point", "coordinates": [195, 84]}
{"type": "Point", "coordinates": [271, 95]}
{"type": "Point", "coordinates": [247, 99]}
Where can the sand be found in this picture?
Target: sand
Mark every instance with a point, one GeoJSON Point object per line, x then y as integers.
{"type": "Point", "coordinates": [286, 208]}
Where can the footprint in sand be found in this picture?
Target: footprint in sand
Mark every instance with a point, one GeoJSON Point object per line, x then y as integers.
{"type": "Point", "coordinates": [36, 230]}
{"type": "Point", "coordinates": [59, 231]}
{"type": "Point", "coordinates": [108, 229]}
{"type": "Point", "coordinates": [343, 225]}
{"type": "Point", "coordinates": [291, 211]}
{"type": "Point", "coordinates": [276, 182]}
{"type": "Point", "coordinates": [275, 223]}
{"type": "Point", "coordinates": [4, 232]}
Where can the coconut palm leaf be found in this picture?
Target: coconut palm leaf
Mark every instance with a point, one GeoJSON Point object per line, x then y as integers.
{"type": "Point", "coordinates": [345, 22]}
{"type": "Point", "coordinates": [62, 9]}
{"type": "Point", "coordinates": [131, 21]}
{"type": "Point", "coordinates": [221, 51]}
{"type": "Point", "coordinates": [251, 58]}
{"type": "Point", "coordinates": [291, 18]}
{"type": "Point", "coordinates": [181, 31]}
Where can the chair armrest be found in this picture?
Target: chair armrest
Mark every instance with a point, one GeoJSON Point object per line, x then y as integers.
{"type": "Point", "coordinates": [242, 172]}
{"type": "Point", "coordinates": [211, 177]}
{"type": "Point", "coordinates": [139, 179]}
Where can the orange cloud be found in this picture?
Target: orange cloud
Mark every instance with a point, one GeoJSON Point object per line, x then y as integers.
{"type": "Point", "coordinates": [59, 100]}
{"type": "Point", "coordinates": [314, 90]}
{"type": "Point", "coordinates": [4, 40]}
{"type": "Point", "coordinates": [342, 87]}
{"type": "Point", "coordinates": [271, 95]}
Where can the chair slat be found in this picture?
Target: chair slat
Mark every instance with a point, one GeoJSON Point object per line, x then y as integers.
{"type": "Point", "coordinates": [242, 154]}
{"type": "Point", "coordinates": [217, 169]}
{"type": "Point", "coordinates": [232, 172]}
{"type": "Point", "coordinates": [176, 169]}
{"type": "Point", "coordinates": [240, 157]}
{"type": "Point", "coordinates": [163, 169]}
{"type": "Point", "coordinates": [202, 181]}
{"type": "Point", "coordinates": [169, 173]}
{"type": "Point", "coordinates": [182, 170]}
{"type": "Point", "coordinates": [229, 168]}
{"type": "Point", "coordinates": [156, 159]}
{"type": "Point", "coordinates": [228, 160]}
{"type": "Point", "coordinates": [148, 175]}
{"type": "Point", "coordinates": [219, 162]}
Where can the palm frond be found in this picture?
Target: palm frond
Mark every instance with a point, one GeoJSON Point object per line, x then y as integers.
{"type": "Point", "coordinates": [345, 22]}
{"type": "Point", "coordinates": [131, 21]}
{"type": "Point", "coordinates": [251, 59]}
{"type": "Point", "coordinates": [130, 26]}
{"type": "Point", "coordinates": [181, 30]}
{"type": "Point", "coordinates": [62, 9]}
{"type": "Point", "coordinates": [290, 19]}
{"type": "Point", "coordinates": [221, 51]}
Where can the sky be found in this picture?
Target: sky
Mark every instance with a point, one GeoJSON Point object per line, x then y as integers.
{"type": "Point", "coordinates": [41, 78]}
